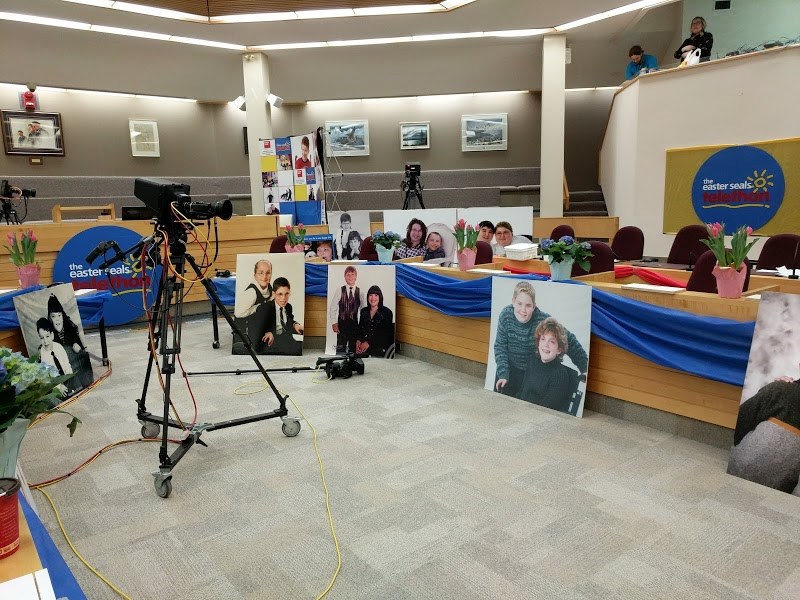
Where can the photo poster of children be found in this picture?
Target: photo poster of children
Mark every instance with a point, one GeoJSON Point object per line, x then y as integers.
{"type": "Point", "coordinates": [766, 441]}
{"type": "Point", "coordinates": [51, 327]}
{"type": "Point", "coordinates": [520, 217]}
{"type": "Point", "coordinates": [291, 172]}
{"type": "Point", "coordinates": [539, 344]}
{"type": "Point", "coordinates": [424, 232]}
{"type": "Point", "coordinates": [361, 310]}
{"type": "Point", "coordinates": [269, 303]}
{"type": "Point", "coordinates": [349, 228]}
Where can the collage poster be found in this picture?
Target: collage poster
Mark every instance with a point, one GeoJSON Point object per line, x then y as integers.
{"type": "Point", "coordinates": [292, 178]}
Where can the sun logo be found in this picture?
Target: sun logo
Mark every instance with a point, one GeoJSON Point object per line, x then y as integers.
{"type": "Point", "coordinates": [760, 181]}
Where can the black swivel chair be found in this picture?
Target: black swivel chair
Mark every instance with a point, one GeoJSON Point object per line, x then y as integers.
{"type": "Point", "coordinates": [687, 247]}
{"type": "Point", "coordinates": [628, 243]}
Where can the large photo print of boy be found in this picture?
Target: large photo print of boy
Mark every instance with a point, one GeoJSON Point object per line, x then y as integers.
{"type": "Point", "coordinates": [270, 303]}
{"type": "Point", "coordinates": [766, 442]}
{"type": "Point", "coordinates": [539, 344]}
{"type": "Point", "coordinates": [51, 327]}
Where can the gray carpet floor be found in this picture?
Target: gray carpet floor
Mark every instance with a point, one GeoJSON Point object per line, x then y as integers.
{"type": "Point", "coordinates": [438, 488]}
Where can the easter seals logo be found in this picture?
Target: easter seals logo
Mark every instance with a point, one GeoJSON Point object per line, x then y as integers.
{"type": "Point", "coordinates": [741, 185]}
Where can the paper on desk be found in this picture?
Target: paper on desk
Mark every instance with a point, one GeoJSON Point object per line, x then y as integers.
{"type": "Point", "coordinates": [83, 291]}
{"type": "Point", "coordinates": [784, 271]}
{"type": "Point", "coordinates": [661, 289]}
{"type": "Point", "coordinates": [33, 586]}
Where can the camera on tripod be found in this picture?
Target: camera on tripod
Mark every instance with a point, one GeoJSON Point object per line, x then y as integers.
{"type": "Point", "coordinates": [341, 366]}
{"type": "Point", "coordinates": [160, 195]}
{"type": "Point", "coordinates": [7, 191]}
{"type": "Point", "coordinates": [411, 178]}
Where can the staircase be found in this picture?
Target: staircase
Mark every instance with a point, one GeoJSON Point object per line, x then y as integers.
{"type": "Point", "coordinates": [586, 204]}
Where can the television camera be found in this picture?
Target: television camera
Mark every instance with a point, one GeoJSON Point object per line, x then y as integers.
{"type": "Point", "coordinates": [9, 193]}
{"type": "Point", "coordinates": [160, 196]}
{"type": "Point", "coordinates": [411, 184]}
{"type": "Point", "coordinates": [341, 366]}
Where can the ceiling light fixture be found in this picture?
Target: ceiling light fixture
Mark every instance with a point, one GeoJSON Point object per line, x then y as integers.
{"type": "Point", "coordinates": [612, 13]}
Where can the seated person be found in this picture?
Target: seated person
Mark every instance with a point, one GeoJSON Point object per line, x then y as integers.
{"type": "Point", "coordinates": [486, 231]}
{"type": "Point", "coordinates": [414, 242]}
{"type": "Point", "coordinates": [433, 246]}
{"type": "Point", "coordinates": [278, 338]}
{"type": "Point", "coordinates": [639, 61]}
{"type": "Point", "coordinates": [548, 382]}
{"type": "Point", "coordinates": [504, 236]}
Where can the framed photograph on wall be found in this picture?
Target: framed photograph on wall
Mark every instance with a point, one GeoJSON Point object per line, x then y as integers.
{"type": "Point", "coordinates": [347, 138]}
{"type": "Point", "coordinates": [32, 133]}
{"type": "Point", "coordinates": [415, 136]}
{"type": "Point", "coordinates": [481, 133]}
{"type": "Point", "coordinates": [144, 138]}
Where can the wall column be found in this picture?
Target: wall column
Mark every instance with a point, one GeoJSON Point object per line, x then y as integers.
{"type": "Point", "coordinates": [552, 143]}
{"type": "Point", "coordinates": [259, 120]}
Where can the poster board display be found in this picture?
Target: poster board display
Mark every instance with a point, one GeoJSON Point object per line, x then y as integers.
{"type": "Point", "coordinates": [539, 344]}
{"type": "Point", "coordinates": [361, 310]}
{"type": "Point", "coordinates": [51, 327]}
{"type": "Point", "coordinates": [270, 303]}
{"type": "Point", "coordinates": [424, 232]}
{"type": "Point", "coordinates": [766, 441]}
{"type": "Point", "coordinates": [349, 229]}
{"type": "Point", "coordinates": [292, 178]}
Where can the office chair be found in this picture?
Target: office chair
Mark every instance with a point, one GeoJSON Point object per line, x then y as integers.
{"type": "Point", "coordinates": [483, 252]}
{"type": "Point", "coordinates": [703, 280]}
{"type": "Point", "coordinates": [628, 243]}
{"type": "Point", "coordinates": [560, 231]}
{"type": "Point", "coordinates": [601, 261]}
{"type": "Point", "coordinates": [368, 251]}
{"type": "Point", "coordinates": [780, 251]}
{"type": "Point", "coordinates": [687, 247]}
{"type": "Point", "coordinates": [278, 244]}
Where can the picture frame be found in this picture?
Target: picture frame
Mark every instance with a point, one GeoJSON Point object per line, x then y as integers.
{"type": "Point", "coordinates": [483, 133]}
{"type": "Point", "coordinates": [32, 133]}
{"type": "Point", "coordinates": [347, 138]}
{"type": "Point", "coordinates": [415, 136]}
{"type": "Point", "coordinates": [144, 138]}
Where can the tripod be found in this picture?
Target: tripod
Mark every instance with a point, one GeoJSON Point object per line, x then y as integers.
{"type": "Point", "coordinates": [166, 317]}
{"type": "Point", "coordinates": [9, 212]}
{"type": "Point", "coordinates": [412, 188]}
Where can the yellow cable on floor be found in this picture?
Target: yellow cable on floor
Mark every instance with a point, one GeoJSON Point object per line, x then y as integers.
{"type": "Point", "coordinates": [116, 590]}
{"type": "Point", "coordinates": [324, 593]}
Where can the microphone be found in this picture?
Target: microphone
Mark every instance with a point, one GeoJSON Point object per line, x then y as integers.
{"type": "Point", "coordinates": [794, 262]}
{"type": "Point", "coordinates": [100, 249]}
{"type": "Point", "coordinates": [692, 258]}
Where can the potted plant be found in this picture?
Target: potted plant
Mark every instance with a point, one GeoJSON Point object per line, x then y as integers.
{"type": "Point", "coordinates": [22, 253]}
{"type": "Point", "coordinates": [385, 243]}
{"type": "Point", "coordinates": [730, 270]}
{"type": "Point", "coordinates": [28, 389]}
{"type": "Point", "coordinates": [563, 253]}
{"type": "Point", "coordinates": [467, 239]}
{"type": "Point", "coordinates": [295, 241]}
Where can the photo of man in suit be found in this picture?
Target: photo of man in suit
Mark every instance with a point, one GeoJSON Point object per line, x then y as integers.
{"type": "Point", "coordinates": [281, 325]}
{"type": "Point", "coordinates": [345, 304]}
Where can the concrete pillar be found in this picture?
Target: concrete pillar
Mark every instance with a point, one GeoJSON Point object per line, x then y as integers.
{"type": "Point", "coordinates": [259, 120]}
{"type": "Point", "coordinates": [552, 144]}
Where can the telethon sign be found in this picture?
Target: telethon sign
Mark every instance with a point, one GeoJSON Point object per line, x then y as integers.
{"type": "Point", "coordinates": [740, 185]}
{"type": "Point", "coordinates": [123, 279]}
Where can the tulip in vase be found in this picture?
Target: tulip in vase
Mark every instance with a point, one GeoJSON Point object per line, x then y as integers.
{"type": "Point", "coordinates": [22, 253]}
{"type": "Point", "coordinates": [295, 241]}
{"type": "Point", "coordinates": [730, 270]}
{"type": "Point", "coordinates": [467, 239]}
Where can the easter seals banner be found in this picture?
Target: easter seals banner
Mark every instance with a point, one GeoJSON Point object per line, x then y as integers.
{"type": "Point", "coordinates": [736, 185]}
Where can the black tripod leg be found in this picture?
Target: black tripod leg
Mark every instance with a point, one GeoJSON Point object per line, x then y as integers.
{"type": "Point", "coordinates": [215, 343]}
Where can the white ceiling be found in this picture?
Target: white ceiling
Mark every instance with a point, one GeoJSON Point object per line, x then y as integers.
{"type": "Point", "coordinates": [69, 58]}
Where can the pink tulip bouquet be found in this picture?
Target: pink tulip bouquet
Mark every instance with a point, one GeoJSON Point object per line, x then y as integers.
{"type": "Point", "coordinates": [23, 251]}
{"type": "Point", "coordinates": [739, 244]}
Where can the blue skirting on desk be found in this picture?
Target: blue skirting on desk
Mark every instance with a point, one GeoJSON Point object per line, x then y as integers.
{"type": "Point", "coordinates": [61, 577]}
{"type": "Point", "coordinates": [90, 307]}
{"type": "Point", "coordinates": [709, 347]}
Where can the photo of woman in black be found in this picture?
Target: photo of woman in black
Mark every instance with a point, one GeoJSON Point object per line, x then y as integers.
{"type": "Point", "coordinates": [375, 327]}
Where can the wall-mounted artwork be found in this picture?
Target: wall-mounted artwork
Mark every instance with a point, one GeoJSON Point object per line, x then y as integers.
{"type": "Point", "coordinates": [144, 138]}
{"type": "Point", "coordinates": [347, 138]}
{"type": "Point", "coordinates": [32, 133]}
{"type": "Point", "coordinates": [415, 136]}
{"type": "Point", "coordinates": [480, 133]}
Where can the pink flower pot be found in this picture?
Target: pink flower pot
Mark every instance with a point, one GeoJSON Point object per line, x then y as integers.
{"type": "Point", "coordinates": [29, 275]}
{"type": "Point", "coordinates": [466, 258]}
{"type": "Point", "coordinates": [295, 248]}
{"type": "Point", "coordinates": [730, 282]}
